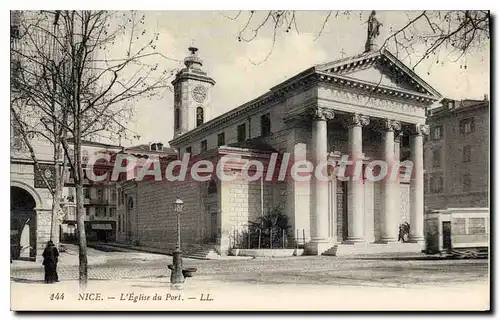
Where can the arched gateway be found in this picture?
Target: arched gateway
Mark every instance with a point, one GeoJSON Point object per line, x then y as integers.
{"type": "Point", "coordinates": [23, 222]}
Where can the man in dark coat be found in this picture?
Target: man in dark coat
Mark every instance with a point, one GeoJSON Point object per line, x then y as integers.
{"type": "Point", "coordinates": [50, 258]}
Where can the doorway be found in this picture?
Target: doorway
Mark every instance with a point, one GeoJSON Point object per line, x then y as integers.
{"type": "Point", "coordinates": [447, 236]}
{"type": "Point", "coordinates": [342, 211]}
{"type": "Point", "coordinates": [213, 227]}
{"type": "Point", "coordinates": [22, 224]}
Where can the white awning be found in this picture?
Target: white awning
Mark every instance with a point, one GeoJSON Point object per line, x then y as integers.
{"type": "Point", "coordinates": [100, 226]}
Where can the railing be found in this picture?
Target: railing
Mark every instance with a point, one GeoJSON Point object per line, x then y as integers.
{"type": "Point", "coordinates": [98, 201]}
{"type": "Point", "coordinates": [268, 239]}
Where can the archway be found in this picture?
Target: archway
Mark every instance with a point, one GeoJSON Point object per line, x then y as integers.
{"type": "Point", "coordinates": [22, 224]}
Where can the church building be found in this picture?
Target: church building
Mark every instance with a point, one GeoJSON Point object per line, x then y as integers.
{"type": "Point", "coordinates": [362, 106]}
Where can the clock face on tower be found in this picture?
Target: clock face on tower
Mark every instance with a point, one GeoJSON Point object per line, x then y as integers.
{"type": "Point", "coordinates": [47, 173]}
{"type": "Point", "coordinates": [199, 93]}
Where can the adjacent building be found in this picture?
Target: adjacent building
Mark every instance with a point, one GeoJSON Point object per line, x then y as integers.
{"type": "Point", "coordinates": [457, 155]}
{"type": "Point", "coordinates": [99, 198]}
{"type": "Point", "coordinates": [30, 199]}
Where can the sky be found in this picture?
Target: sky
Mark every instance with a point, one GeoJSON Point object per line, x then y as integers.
{"type": "Point", "coordinates": [241, 73]}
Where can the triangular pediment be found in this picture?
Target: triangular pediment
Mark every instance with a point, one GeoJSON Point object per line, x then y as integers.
{"type": "Point", "coordinates": [380, 68]}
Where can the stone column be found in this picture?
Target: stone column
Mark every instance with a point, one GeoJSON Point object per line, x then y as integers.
{"type": "Point", "coordinates": [417, 183]}
{"type": "Point", "coordinates": [355, 206]}
{"type": "Point", "coordinates": [320, 241]}
{"type": "Point", "coordinates": [390, 187]}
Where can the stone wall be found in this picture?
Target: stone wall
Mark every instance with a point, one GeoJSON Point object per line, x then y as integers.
{"type": "Point", "coordinates": [156, 219]}
{"type": "Point", "coordinates": [240, 204]}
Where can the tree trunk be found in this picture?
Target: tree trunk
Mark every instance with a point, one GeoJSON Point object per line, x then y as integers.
{"type": "Point", "coordinates": [56, 200]}
{"type": "Point", "coordinates": [82, 246]}
{"type": "Point", "coordinates": [80, 216]}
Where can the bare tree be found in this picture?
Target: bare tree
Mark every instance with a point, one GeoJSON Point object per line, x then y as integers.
{"type": "Point", "coordinates": [101, 69]}
{"type": "Point", "coordinates": [424, 34]}
{"type": "Point", "coordinates": [34, 85]}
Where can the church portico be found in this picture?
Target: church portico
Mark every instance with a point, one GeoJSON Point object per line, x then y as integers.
{"type": "Point", "coordinates": [371, 209]}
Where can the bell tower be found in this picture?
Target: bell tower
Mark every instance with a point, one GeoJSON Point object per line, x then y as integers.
{"type": "Point", "coordinates": [192, 98]}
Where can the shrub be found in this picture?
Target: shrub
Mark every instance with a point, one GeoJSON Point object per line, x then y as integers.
{"type": "Point", "coordinates": [268, 231]}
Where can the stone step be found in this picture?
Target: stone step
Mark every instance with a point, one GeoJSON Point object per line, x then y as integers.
{"type": "Point", "coordinates": [373, 248]}
{"type": "Point", "coordinates": [332, 251]}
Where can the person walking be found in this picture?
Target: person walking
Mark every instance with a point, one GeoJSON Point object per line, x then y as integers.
{"type": "Point", "coordinates": [50, 258]}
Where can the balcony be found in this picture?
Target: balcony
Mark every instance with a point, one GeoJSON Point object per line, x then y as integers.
{"type": "Point", "coordinates": [97, 201]}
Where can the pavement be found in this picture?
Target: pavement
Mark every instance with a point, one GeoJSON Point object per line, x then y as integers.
{"type": "Point", "coordinates": [295, 282]}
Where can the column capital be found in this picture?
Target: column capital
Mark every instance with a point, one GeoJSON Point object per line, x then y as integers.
{"type": "Point", "coordinates": [391, 125]}
{"type": "Point", "coordinates": [358, 120]}
{"type": "Point", "coordinates": [419, 129]}
{"type": "Point", "coordinates": [321, 113]}
{"type": "Point", "coordinates": [397, 136]}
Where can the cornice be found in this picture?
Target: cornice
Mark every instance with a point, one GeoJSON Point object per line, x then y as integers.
{"type": "Point", "coordinates": [302, 81]}
{"type": "Point", "coordinates": [369, 87]}
{"type": "Point", "coordinates": [268, 99]}
{"type": "Point", "coordinates": [190, 75]}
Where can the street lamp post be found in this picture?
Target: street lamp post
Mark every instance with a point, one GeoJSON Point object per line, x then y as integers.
{"type": "Point", "coordinates": [176, 276]}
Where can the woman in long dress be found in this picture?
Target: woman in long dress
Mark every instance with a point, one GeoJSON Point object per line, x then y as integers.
{"type": "Point", "coordinates": [50, 258]}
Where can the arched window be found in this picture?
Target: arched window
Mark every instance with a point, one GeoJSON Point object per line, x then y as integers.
{"type": "Point", "coordinates": [199, 116]}
{"type": "Point", "coordinates": [177, 118]}
{"type": "Point", "coordinates": [130, 203]}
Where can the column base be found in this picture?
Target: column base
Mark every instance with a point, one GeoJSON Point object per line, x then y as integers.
{"type": "Point", "coordinates": [354, 241]}
{"type": "Point", "coordinates": [387, 240]}
{"type": "Point", "coordinates": [416, 239]}
{"type": "Point", "coordinates": [318, 247]}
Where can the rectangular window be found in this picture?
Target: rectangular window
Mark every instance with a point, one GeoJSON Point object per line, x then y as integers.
{"type": "Point", "coordinates": [177, 116]}
{"type": "Point", "coordinates": [437, 132]}
{"type": "Point", "coordinates": [85, 156]}
{"type": "Point", "coordinates": [71, 195]}
{"type": "Point", "coordinates": [242, 133]}
{"type": "Point", "coordinates": [203, 145]}
{"type": "Point", "coordinates": [120, 196]}
{"type": "Point", "coordinates": [100, 212]}
{"type": "Point", "coordinates": [436, 158]}
{"type": "Point", "coordinates": [467, 154]}
{"type": "Point", "coordinates": [467, 126]}
{"type": "Point", "coordinates": [113, 196]}
{"type": "Point", "coordinates": [112, 212]}
{"type": "Point", "coordinates": [221, 139]}
{"type": "Point", "coordinates": [87, 211]}
{"type": "Point", "coordinates": [265, 125]}
{"type": "Point", "coordinates": [70, 213]}
{"type": "Point", "coordinates": [458, 226]}
{"type": "Point", "coordinates": [14, 32]}
{"type": "Point", "coordinates": [466, 182]}
{"type": "Point", "coordinates": [100, 193]}
{"type": "Point", "coordinates": [86, 192]}
{"type": "Point", "coordinates": [188, 150]}
{"type": "Point", "coordinates": [477, 225]}
{"type": "Point", "coordinates": [119, 224]}
{"type": "Point", "coordinates": [17, 139]}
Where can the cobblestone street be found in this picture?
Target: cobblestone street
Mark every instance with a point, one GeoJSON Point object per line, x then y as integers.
{"type": "Point", "coordinates": [296, 283]}
{"type": "Point", "coordinates": [345, 271]}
